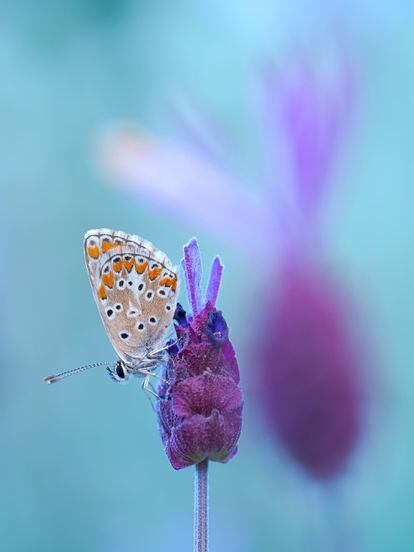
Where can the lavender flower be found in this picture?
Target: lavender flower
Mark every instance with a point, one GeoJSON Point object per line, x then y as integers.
{"type": "Point", "coordinates": [309, 354]}
{"type": "Point", "coordinates": [200, 416]}
{"type": "Point", "coordinates": [313, 113]}
{"type": "Point", "coordinates": [174, 175]}
{"type": "Point", "coordinates": [311, 364]}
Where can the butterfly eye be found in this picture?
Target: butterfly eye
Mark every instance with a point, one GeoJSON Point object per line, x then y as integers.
{"type": "Point", "coordinates": [120, 370]}
{"type": "Point", "coordinates": [120, 373]}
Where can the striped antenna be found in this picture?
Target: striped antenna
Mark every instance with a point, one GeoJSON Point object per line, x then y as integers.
{"type": "Point", "coordinates": [63, 375]}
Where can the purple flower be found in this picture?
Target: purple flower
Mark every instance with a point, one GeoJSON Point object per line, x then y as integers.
{"type": "Point", "coordinates": [200, 414]}
{"type": "Point", "coordinates": [174, 175]}
{"type": "Point", "coordinates": [313, 112]}
{"type": "Point", "coordinates": [309, 355]}
{"type": "Point", "coordinates": [311, 367]}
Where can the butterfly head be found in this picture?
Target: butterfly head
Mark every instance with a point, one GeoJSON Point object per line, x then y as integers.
{"type": "Point", "coordinates": [119, 372]}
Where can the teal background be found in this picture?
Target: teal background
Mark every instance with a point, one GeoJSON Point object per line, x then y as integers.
{"type": "Point", "coordinates": [81, 464]}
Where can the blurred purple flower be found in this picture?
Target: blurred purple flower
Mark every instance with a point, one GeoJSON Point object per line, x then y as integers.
{"type": "Point", "coordinates": [200, 416]}
{"type": "Point", "coordinates": [313, 112]}
{"type": "Point", "coordinates": [309, 353]}
{"type": "Point", "coordinates": [311, 369]}
{"type": "Point", "coordinates": [312, 397]}
{"type": "Point", "coordinates": [184, 179]}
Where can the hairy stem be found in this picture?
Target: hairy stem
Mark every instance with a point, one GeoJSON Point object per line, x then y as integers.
{"type": "Point", "coordinates": [201, 507]}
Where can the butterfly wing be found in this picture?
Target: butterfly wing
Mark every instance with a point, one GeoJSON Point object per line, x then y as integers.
{"type": "Point", "coordinates": [135, 287]}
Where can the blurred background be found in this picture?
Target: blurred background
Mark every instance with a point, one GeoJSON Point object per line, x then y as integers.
{"type": "Point", "coordinates": [279, 133]}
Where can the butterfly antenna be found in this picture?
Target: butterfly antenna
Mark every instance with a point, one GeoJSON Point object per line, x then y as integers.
{"type": "Point", "coordinates": [57, 377]}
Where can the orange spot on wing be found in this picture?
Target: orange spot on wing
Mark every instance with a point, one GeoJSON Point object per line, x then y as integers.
{"type": "Point", "coordinates": [154, 273]}
{"type": "Point", "coordinates": [93, 251]}
{"type": "Point", "coordinates": [108, 279]}
{"type": "Point", "coordinates": [106, 246]}
{"type": "Point", "coordinates": [129, 264]}
{"type": "Point", "coordinates": [140, 267]}
{"type": "Point", "coordinates": [117, 266]}
{"type": "Point", "coordinates": [169, 282]}
{"type": "Point", "coordinates": [102, 293]}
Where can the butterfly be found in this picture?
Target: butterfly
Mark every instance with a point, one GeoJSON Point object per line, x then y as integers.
{"type": "Point", "coordinates": [135, 287]}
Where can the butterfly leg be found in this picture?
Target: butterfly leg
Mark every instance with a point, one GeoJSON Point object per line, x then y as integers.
{"type": "Point", "coordinates": [149, 374]}
{"type": "Point", "coordinates": [165, 348]}
{"type": "Point", "coordinates": [148, 387]}
{"type": "Point", "coordinates": [154, 375]}
{"type": "Point", "coordinates": [148, 394]}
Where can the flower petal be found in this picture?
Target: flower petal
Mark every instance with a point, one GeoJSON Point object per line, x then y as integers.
{"type": "Point", "coordinates": [193, 271]}
{"type": "Point", "coordinates": [186, 184]}
{"type": "Point", "coordinates": [204, 394]}
{"type": "Point", "coordinates": [213, 286]}
{"type": "Point", "coordinates": [197, 438]}
{"type": "Point", "coordinates": [180, 316]}
{"type": "Point", "coordinates": [313, 113]}
{"type": "Point", "coordinates": [216, 328]}
{"type": "Point", "coordinates": [230, 361]}
{"type": "Point", "coordinates": [312, 371]}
